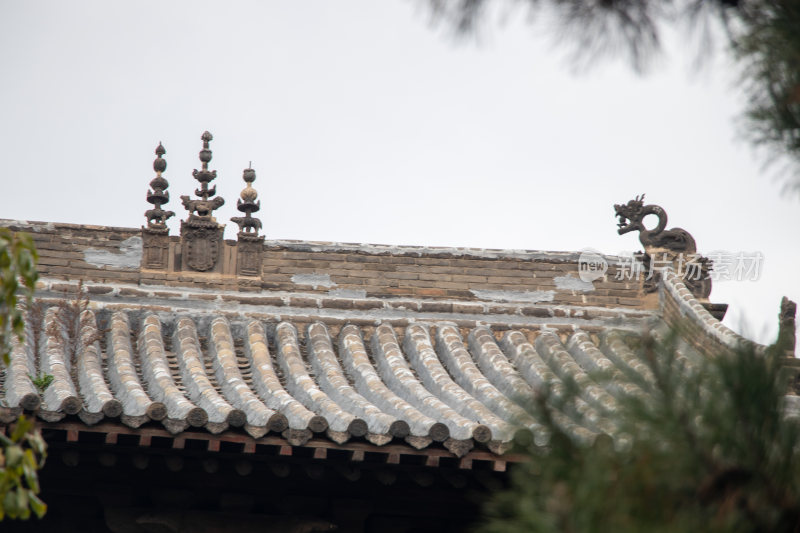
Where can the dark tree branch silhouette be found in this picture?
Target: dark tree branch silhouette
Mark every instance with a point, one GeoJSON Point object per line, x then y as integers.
{"type": "Point", "coordinates": [763, 36]}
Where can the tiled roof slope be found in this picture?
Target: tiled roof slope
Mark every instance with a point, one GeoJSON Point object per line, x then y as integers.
{"type": "Point", "coordinates": [424, 384]}
{"type": "Point", "coordinates": [438, 348]}
{"type": "Point", "coordinates": [422, 379]}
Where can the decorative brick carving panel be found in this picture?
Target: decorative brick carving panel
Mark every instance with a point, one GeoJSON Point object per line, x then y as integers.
{"type": "Point", "coordinates": [155, 250]}
{"type": "Point", "coordinates": [201, 247]}
{"type": "Point", "coordinates": [249, 254]}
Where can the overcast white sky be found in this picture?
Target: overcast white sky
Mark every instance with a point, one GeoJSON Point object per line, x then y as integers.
{"type": "Point", "coordinates": [366, 124]}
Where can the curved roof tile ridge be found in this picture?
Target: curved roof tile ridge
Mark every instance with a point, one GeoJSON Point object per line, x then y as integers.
{"type": "Point", "coordinates": [331, 379]}
{"type": "Point", "coordinates": [615, 348]}
{"type": "Point", "coordinates": [258, 417]}
{"type": "Point", "coordinates": [496, 366]}
{"type": "Point", "coordinates": [20, 392]}
{"type": "Point", "coordinates": [368, 383]}
{"type": "Point", "coordinates": [98, 400]}
{"type": "Point", "coordinates": [529, 363]}
{"type": "Point", "coordinates": [588, 357]}
{"type": "Point", "coordinates": [181, 413]}
{"type": "Point", "coordinates": [591, 400]}
{"type": "Point", "coordinates": [423, 358]}
{"type": "Point", "coordinates": [396, 373]}
{"type": "Point", "coordinates": [559, 358]}
{"type": "Point", "coordinates": [543, 380]}
{"type": "Point", "coordinates": [691, 307]}
{"type": "Point", "coordinates": [301, 421]}
{"type": "Point", "coordinates": [467, 375]}
{"type": "Point", "coordinates": [341, 424]}
{"type": "Point", "coordinates": [193, 375]}
{"type": "Point", "coordinates": [595, 362]}
{"type": "Point", "coordinates": [137, 407]}
{"type": "Point", "coordinates": [60, 398]}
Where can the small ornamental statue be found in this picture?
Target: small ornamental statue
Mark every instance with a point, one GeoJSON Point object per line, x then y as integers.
{"type": "Point", "coordinates": [155, 236]}
{"type": "Point", "coordinates": [250, 243]}
{"type": "Point", "coordinates": [158, 195]}
{"type": "Point", "coordinates": [201, 235]}
{"type": "Point", "coordinates": [247, 204]}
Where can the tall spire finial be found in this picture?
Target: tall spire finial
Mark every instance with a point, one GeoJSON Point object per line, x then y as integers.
{"type": "Point", "coordinates": [204, 207]}
{"type": "Point", "coordinates": [158, 195]}
{"type": "Point", "coordinates": [248, 225]}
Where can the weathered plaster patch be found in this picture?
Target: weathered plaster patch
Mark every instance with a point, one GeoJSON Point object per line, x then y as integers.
{"type": "Point", "coordinates": [315, 280]}
{"type": "Point", "coordinates": [515, 296]}
{"type": "Point", "coordinates": [348, 293]}
{"type": "Point", "coordinates": [568, 283]}
{"type": "Point", "coordinates": [129, 256]}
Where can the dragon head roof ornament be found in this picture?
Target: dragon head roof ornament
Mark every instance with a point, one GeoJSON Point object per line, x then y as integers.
{"type": "Point", "coordinates": [201, 211]}
{"type": "Point", "coordinates": [631, 218]}
{"type": "Point", "coordinates": [673, 245]}
{"type": "Point", "coordinates": [247, 204]}
{"type": "Point", "coordinates": [158, 195]}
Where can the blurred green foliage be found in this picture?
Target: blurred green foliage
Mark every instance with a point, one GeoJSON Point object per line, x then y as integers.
{"type": "Point", "coordinates": [705, 444]}
{"type": "Point", "coordinates": [21, 456]}
{"type": "Point", "coordinates": [17, 270]}
{"type": "Point", "coordinates": [23, 452]}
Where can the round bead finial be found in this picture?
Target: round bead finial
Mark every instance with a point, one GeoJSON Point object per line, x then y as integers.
{"type": "Point", "coordinates": [249, 194]}
{"type": "Point", "coordinates": [160, 165]}
{"type": "Point", "coordinates": [158, 195]}
{"type": "Point", "coordinates": [159, 183]}
{"type": "Point", "coordinates": [248, 225]}
{"type": "Point", "coordinates": [205, 153]}
{"type": "Point", "coordinates": [202, 209]}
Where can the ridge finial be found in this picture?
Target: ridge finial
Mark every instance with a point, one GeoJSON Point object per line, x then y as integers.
{"type": "Point", "coordinates": [205, 206]}
{"type": "Point", "coordinates": [158, 194]}
{"type": "Point", "coordinates": [247, 204]}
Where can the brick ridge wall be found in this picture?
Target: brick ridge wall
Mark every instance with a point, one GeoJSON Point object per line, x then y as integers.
{"type": "Point", "coordinates": [346, 247]}
{"type": "Point", "coordinates": [349, 271]}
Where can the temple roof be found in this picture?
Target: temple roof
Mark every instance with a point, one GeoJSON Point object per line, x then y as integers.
{"type": "Point", "coordinates": [424, 373]}
{"type": "Point", "coordinates": [305, 343]}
